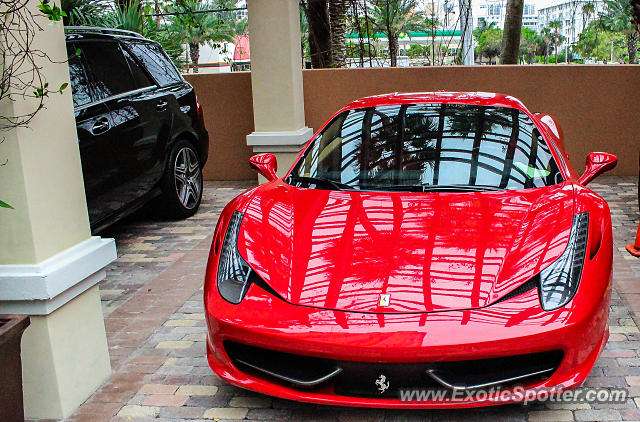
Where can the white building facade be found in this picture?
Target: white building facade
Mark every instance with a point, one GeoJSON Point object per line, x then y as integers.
{"type": "Point", "coordinates": [573, 16]}
{"type": "Point", "coordinates": [494, 11]}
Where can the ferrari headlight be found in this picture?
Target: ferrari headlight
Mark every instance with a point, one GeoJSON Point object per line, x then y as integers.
{"type": "Point", "coordinates": [559, 282]}
{"type": "Point", "coordinates": [233, 271]}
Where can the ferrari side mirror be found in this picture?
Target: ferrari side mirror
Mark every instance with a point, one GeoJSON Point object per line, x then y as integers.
{"type": "Point", "coordinates": [266, 164]}
{"type": "Point", "coordinates": [597, 163]}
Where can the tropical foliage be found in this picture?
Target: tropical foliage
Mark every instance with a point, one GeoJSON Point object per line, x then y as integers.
{"type": "Point", "coordinates": [325, 23]}
{"type": "Point", "coordinates": [393, 18]}
{"type": "Point", "coordinates": [85, 12]}
{"type": "Point", "coordinates": [489, 41]}
{"type": "Point", "coordinates": [182, 23]}
{"type": "Point", "coordinates": [595, 42]}
{"type": "Point", "coordinates": [417, 50]}
{"type": "Point", "coordinates": [530, 45]}
{"type": "Point", "coordinates": [618, 18]}
{"type": "Point", "coordinates": [196, 27]}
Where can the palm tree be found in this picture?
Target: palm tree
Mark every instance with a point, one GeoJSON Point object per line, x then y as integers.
{"type": "Point", "coordinates": [556, 37]}
{"type": "Point", "coordinates": [84, 12]}
{"type": "Point", "coordinates": [618, 18]}
{"type": "Point", "coordinates": [482, 27]}
{"type": "Point", "coordinates": [240, 27]}
{"type": "Point", "coordinates": [317, 13]}
{"type": "Point", "coordinates": [394, 17]}
{"type": "Point", "coordinates": [588, 10]}
{"type": "Point", "coordinates": [338, 24]}
{"type": "Point", "coordinates": [200, 28]}
{"type": "Point", "coordinates": [127, 16]}
{"type": "Point", "coordinates": [432, 24]}
{"type": "Point", "coordinates": [546, 38]}
{"type": "Point", "coordinates": [635, 11]}
{"type": "Point", "coordinates": [512, 32]}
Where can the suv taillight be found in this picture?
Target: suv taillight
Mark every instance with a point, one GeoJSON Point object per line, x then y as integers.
{"type": "Point", "coordinates": [198, 106]}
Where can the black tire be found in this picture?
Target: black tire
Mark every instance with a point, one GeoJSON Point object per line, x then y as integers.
{"type": "Point", "coordinates": [182, 181]}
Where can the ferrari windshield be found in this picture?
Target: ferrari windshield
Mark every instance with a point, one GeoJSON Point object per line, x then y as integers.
{"type": "Point", "coordinates": [424, 147]}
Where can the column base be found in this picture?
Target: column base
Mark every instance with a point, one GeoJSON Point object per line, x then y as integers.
{"type": "Point", "coordinates": [65, 357]}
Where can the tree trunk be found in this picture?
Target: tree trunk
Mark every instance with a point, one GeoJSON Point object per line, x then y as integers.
{"type": "Point", "coordinates": [635, 12]}
{"type": "Point", "coordinates": [157, 8]}
{"type": "Point", "coordinates": [355, 15]}
{"type": "Point", "coordinates": [512, 31]}
{"type": "Point", "coordinates": [546, 54]}
{"type": "Point", "coordinates": [317, 14]}
{"type": "Point", "coordinates": [393, 49]}
{"type": "Point", "coordinates": [338, 22]}
{"type": "Point", "coordinates": [632, 47]}
{"type": "Point", "coordinates": [194, 52]}
{"type": "Point", "coordinates": [466, 29]}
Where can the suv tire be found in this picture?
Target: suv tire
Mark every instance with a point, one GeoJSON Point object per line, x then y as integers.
{"type": "Point", "coordinates": [182, 181]}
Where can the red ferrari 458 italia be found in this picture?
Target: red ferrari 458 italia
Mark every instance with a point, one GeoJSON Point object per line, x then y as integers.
{"type": "Point", "coordinates": [424, 250]}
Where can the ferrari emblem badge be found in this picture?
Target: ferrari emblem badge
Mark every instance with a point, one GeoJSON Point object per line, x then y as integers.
{"type": "Point", "coordinates": [384, 300]}
{"type": "Point", "coordinates": [382, 383]}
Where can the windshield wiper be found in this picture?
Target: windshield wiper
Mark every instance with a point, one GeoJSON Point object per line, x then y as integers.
{"type": "Point", "coordinates": [403, 188]}
{"type": "Point", "coordinates": [431, 188]}
{"type": "Point", "coordinates": [321, 181]}
{"type": "Point", "coordinates": [459, 188]}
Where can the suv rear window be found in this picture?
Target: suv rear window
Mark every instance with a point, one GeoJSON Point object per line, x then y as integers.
{"type": "Point", "coordinates": [156, 61]}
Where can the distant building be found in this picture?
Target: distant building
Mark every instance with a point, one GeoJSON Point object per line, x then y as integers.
{"type": "Point", "coordinates": [241, 14]}
{"type": "Point", "coordinates": [443, 47]}
{"type": "Point", "coordinates": [572, 15]}
{"type": "Point", "coordinates": [493, 11]}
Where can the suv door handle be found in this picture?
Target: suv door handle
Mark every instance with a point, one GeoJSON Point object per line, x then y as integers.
{"type": "Point", "coordinates": [100, 126]}
{"type": "Point", "coordinates": [162, 105]}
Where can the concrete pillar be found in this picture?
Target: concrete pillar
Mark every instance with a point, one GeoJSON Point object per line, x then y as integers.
{"type": "Point", "coordinates": [49, 262]}
{"type": "Point", "coordinates": [276, 80]}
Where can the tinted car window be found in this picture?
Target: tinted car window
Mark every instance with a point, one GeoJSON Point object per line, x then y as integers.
{"type": "Point", "coordinates": [109, 68]}
{"type": "Point", "coordinates": [156, 62]}
{"type": "Point", "coordinates": [402, 147]}
{"type": "Point", "coordinates": [79, 82]}
{"type": "Point", "coordinates": [139, 75]}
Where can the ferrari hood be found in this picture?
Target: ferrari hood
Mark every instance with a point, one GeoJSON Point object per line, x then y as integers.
{"type": "Point", "coordinates": [346, 250]}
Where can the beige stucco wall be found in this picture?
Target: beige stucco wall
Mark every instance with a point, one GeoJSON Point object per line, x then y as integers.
{"type": "Point", "coordinates": [42, 177]}
{"type": "Point", "coordinates": [596, 105]}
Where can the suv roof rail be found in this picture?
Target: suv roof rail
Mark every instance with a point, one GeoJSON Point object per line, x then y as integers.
{"type": "Point", "coordinates": [99, 30]}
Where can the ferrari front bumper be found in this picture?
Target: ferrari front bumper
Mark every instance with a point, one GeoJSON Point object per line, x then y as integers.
{"type": "Point", "coordinates": [511, 328]}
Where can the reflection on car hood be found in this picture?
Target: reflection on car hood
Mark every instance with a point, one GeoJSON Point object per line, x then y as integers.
{"type": "Point", "coordinates": [427, 251]}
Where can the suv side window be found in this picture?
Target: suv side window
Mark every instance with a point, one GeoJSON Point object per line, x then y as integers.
{"type": "Point", "coordinates": [109, 68]}
{"type": "Point", "coordinates": [139, 75]}
{"type": "Point", "coordinates": [156, 61]}
{"type": "Point", "coordinates": [79, 82]}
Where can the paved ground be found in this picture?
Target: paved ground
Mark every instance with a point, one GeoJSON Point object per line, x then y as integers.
{"type": "Point", "coordinates": [155, 324]}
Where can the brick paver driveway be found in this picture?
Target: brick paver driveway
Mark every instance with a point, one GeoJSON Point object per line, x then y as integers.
{"type": "Point", "coordinates": [155, 325]}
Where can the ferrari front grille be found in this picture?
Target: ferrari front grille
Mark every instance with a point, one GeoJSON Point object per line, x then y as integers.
{"type": "Point", "coordinates": [358, 379]}
{"type": "Point", "coordinates": [300, 371]}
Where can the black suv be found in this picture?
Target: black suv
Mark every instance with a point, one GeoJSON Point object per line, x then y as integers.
{"type": "Point", "coordinates": [139, 124]}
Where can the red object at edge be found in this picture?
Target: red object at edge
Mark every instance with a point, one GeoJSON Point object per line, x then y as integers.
{"type": "Point", "coordinates": [634, 248]}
